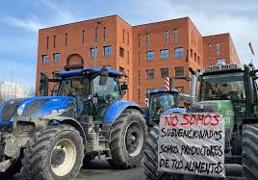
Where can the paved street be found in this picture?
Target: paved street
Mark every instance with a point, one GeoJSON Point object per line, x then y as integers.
{"type": "Point", "coordinates": [99, 170]}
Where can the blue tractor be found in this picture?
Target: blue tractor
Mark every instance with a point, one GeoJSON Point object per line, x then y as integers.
{"type": "Point", "coordinates": [49, 137]}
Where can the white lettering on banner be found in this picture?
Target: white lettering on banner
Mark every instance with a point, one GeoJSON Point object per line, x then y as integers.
{"type": "Point", "coordinates": [192, 143]}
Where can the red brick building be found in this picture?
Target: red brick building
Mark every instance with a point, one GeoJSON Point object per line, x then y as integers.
{"type": "Point", "coordinates": [146, 53]}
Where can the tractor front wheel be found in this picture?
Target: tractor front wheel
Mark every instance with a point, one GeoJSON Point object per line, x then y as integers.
{"type": "Point", "coordinates": [128, 136]}
{"type": "Point", "coordinates": [250, 151]}
{"type": "Point", "coordinates": [53, 153]}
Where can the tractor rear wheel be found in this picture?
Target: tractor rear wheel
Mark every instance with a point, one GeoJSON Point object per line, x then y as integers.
{"type": "Point", "coordinates": [151, 158]}
{"type": "Point", "coordinates": [55, 152]}
{"type": "Point", "coordinates": [128, 136]}
{"type": "Point", "coordinates": [250, 151]}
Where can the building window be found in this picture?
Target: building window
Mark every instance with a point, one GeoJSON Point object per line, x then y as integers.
{"type": "Point", "coordinates": [147, 39]}
{"type": "Point", "coordinates": [175, 36]}
{"type": "Point", "coordinates": [139, 77]}
{"type": "Point", "coordinates": [47, 42]}
{"type": "Point", "coordinates": [194, 56]}
{"type": "Point", "coordinates": [150, 55]}
{"type": "Point", "coordinates": [150, 74]}
{"type": "Point", "coordinates": [179, 71]}
{"type": "Point", "coordinates": [139, 94]}
{"type": "Point", "coordinates": [107, 50]}
{"type": "Point", "coordinates": [191, 53]}
{"type": "Point", "coordinates": [128, 57]}
{"type": "Point", "coordinates": [104, 33]}
{"type": "Point", "coordinates": [123, 36]}
{"type": "Point", "coordinates": [128, 38]}
{"type": "Point", "coordinates": [56, 57]}
{"type": "Point", "coordinates": [83, 36]}
{"type": "Point", "coordinates": [179, 52]}
{"type": "Point", "coordinates": [66, 39]}
{"type": "Point", "coordinates": [121, 52]}
{"type": "Point", "coordinates": [164, 72]}
{"type": "Point", "coordinates": [96, 34]}
{"type": "Point", "coordinates": [44, 59]}
{"type": "Point", "coordinates": [139, 40]}
{"type": "Point", "coordinates": [166, 37]}
{"type": "Point", "coordinates": [93, 52]}
{"type": "Point", "coordinates": [54, 41]}
{"type": "Point", "coordinates": [217, 49]}
{"type": "Point", "coordinates": [164, 54]}
{"type": "Point", "coordinates": [198, 59]}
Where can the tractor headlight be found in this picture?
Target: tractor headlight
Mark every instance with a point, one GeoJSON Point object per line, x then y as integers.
{"type": "Point", "coordinates": [20, 109]}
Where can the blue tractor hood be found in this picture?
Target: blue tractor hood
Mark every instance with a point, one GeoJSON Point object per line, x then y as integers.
{"type": "Point", "coordinates": [33, 107]}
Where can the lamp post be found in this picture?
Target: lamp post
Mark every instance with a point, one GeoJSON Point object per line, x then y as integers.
{"type": "Point", "coordinates": [251, 50]}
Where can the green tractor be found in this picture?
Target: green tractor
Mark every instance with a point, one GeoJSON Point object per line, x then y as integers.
{"type": "Point", "coordinates": [229, 90]}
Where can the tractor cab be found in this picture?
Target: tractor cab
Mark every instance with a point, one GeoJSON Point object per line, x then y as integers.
{"type": "Point", "coordinates": [160, 101]}
{"type": "Point", "coordinates": [93, 89]}
{"type": "Point", "coordinates": [230, 90]}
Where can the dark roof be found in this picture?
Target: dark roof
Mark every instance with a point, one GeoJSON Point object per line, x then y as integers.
{"type": "Point", "coordinates": [88, 71]}
{"type": "Point", "coordinates": [157, 91]}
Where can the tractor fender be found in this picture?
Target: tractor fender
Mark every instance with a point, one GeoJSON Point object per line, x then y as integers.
{"type": "Point", "coordinates": [72, 122]}
{"type": "Point", "coordinates": [116, 108]}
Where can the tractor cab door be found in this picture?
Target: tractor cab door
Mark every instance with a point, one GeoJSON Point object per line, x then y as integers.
{"type": "Point", "coordinates": [105, 90]}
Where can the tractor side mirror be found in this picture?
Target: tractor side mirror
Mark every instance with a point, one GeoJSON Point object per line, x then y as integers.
{"type": "Point", "coordinates": [103, 77]}
{"type": "Point", "coordinates": [43, 86]}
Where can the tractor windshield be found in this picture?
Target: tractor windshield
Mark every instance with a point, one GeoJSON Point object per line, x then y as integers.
{"type": "Point", "coordinates": [161, 102]}
{"type": "Point", "coordinates": [230, 87]}
{"type": "Point", "coordinates": [75, 87]}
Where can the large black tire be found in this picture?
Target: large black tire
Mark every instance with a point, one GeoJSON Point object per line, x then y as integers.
{"type": "Point", "coordinates": [151, 158]}
{"type": "Point", "coordinates": [55, 152]}
{"type": "Point", "coordinates": [128, 153]}
{"type": "Point", "coordinates": [250, 151]}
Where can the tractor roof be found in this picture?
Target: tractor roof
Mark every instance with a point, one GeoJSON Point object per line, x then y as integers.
{"type": "Point", "coordinates": [222, 68]}
{"type": "Point", "coordinates": [158, 91]}
{"type": "Point", "coordinates": [89, 72]}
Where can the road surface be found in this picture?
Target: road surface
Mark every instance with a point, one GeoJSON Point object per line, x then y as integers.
{"type": "Point", "coordinates": [100, 170]}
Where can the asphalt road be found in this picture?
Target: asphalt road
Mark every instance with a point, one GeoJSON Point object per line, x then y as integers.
{"type": "Point", "coordinates": [100, 170]}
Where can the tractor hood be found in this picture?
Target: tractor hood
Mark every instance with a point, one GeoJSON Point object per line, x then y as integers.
{"type": "Point", "coordinates": [34, 107]}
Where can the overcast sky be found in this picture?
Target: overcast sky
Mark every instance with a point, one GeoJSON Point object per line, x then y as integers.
{"type": "Point", "coordinates": [21, 19]}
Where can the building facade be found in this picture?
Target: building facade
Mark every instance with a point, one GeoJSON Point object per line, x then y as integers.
{"type": "Point", "coordinates": [146, 53]}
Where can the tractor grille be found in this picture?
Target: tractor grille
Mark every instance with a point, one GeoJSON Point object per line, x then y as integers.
{"type": "Point", "coordinates": [9, 109]}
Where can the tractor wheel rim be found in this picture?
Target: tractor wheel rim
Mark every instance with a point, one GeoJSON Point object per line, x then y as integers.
{"type": "Point", "coordinates": [63, 157]}
{"type": "Point", "coordinates": [134, 139]}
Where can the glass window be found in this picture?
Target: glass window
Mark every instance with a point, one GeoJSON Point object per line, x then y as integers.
{"type": "Point", "coordinates": [110, 91]}
{"type": "Point", "coordinates": [77, 87]}
{"type": "Point", "coordinates": [191, 53]}
{"type": "Point", "coordinates": [44, 59]}
{"type": "Point", "coordinates": [217, 87]}
{"type": "Point", "coordinates": [105, 33]}
{"type": "Point", "coordinates": [217, 48]}
{"type": "Point", "coordinates": [179, 52]}
{"type": "Point", "coordinates": [150, 73]}
{"type": "Point", "coordinates": [96, 34]}
{"type": "Point", "coordinates": [56, 57]}
{"type": "Point", "coordinates": [93, 52]}
{"type": "Point", "coordinates": [107, 50]}
{"type": "Point", "coordinates": [179, 71]}
{"type": "Point", "coordinates": [161, 102]}
{"type": "Point", "coordinates": [147, 39]}
{"type": "Point", "coordinates": [164, 72]}
{"type": "Point", "coordinates": [121, 52]}
{"type": "Point", "coordinates": [83, 36]}
{"type": "Point", "coordinates": [164, 54]}
{"type": "Point", "coordinates": [175, 35]}
{"type": "Point", "coordinates": [166, 37]}
{"type": "Point", "coordinates": [139, 40]}
{"type": "Point", "coordinates": [150, 55]}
